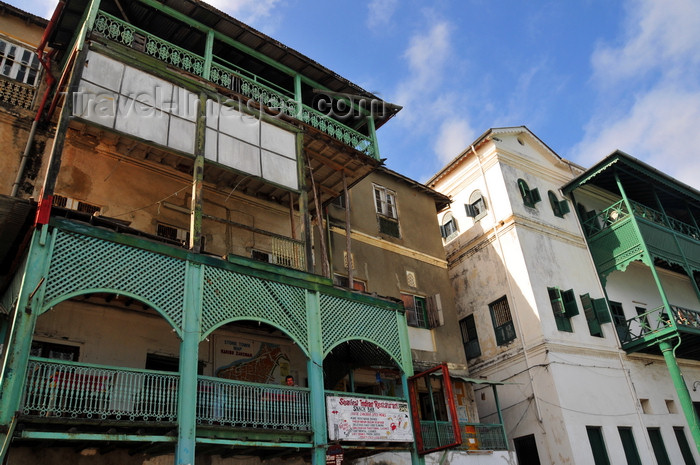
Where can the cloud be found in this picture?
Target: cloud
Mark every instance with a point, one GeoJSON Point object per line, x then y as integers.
{"type": "Point", "coordinates": [380, 12]}
{"type": "Point", "coordinates": [659, 36]}
{"type": "Point", "coordinates": [248, 11]}
{"type": "Point", "coordinates": [660, 128]}
{"type": "Point", "coordinates": [453, 136]}
{"type": "Point", "coordinates": [649, 90]}
{"type": "Point", "coordinates": [426, 57]}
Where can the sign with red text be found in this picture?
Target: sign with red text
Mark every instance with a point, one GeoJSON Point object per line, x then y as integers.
{"type": "Point", "coordinates": [359, 419]}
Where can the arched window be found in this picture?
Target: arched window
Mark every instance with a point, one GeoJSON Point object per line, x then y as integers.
{"type": "Point", "coordinates": [476, 208]}
{"type": "Point", "coordinates": [448, 228]}
{"type": "Point", "coordinates": [530, 196]}
{"type": "Point", "coordinates": [559, 207]}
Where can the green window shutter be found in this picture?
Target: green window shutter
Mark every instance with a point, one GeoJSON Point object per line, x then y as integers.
{"type": "Point", "coordinates": [601, 311]}
{"type": "Point", "coordinates": [564, 207]}
{"type": "Point", "coordinates": [535, 196]}
{"type": "Point", "coordinates": [555, 299]}
{"type": "Point", "coordinates": [570, 307]}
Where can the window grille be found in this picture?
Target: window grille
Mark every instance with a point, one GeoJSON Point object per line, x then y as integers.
{"type": "Point", "coordinates": [502, 321]}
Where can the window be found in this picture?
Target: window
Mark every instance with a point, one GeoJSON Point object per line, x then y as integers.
{"type": "Point", "coordinates": [559, 207]}
{"type": "Point", "coordinates": [629, 445]}
{"type": "Point", "coordinates": [618, 315]}
{"type": "Point", "coordinates": [339, 201]}
{"type": "Point", "coordinates": [595, 437]}
{"type": "Point", "coordinates": [476, 208]}
{"type": "Point", "coordinates": [423, 312]}
{"type": "Point", "coordinates": [343, 281]}
{"type": "Point", "coordinates": [530, 196]}
{"type": "Point", "coordinates": [448, 229]}
{"type": "Point", "coordinates": [78, 205]}
{"type": "Point", "coordinates": [55, 351]}
{"type": "Point", "coordinates": [271, 258]}
{"type": "Point", "coordinates": [175, 234]}
{"type": "Point", "coordinates": [18, 63]}
{"type": "Point", "coordinates": [415, 310]}
{"type": "Point", "coordinates": [657, 443]}
{"type": "Point", "coordinates": [683, 445]}
{"type": "Point", "coordinates": [387, 214]}
{"type": "Point", "coordinates": [470, 339]}
{"type": "Point", "coordinates": [385, 202]}
{"type": "Point", "coordinates": [596, 312]}
{"type": "Point", "coordinates": [564, 307]}
{"type": "Point", "coordinates": [502, 321]}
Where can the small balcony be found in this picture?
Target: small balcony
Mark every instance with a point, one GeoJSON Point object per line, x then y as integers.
{"type": "Point", "coordinates": [93, 394]}
{"type": "Point", "coordinates": [613, 238]}
{"type": "Point", "coordinates": [475, 436]}
{"type": "Point", "coordinates": [641, 333]}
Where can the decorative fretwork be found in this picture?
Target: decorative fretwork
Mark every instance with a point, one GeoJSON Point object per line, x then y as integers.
{"type": "Point", "coordinates": [240, 404]}
{"type": "Point", "coordinates": [125, 33]}
{"type": "Point", "coordinates": [91, 391]}
{"type": "Point", "coordinates": [267, 94]}
{"type": "Point", "coordinates": [344, 320]}
{"type": "Point", "coordinates": [82, 263]}
{"type": "Point", "coordinates": [228, 296]}
{"type": "Point", "coordinates": [338, 130]}
{"type": "Point", "coordinates": [16, 93]}
{"type": "Point", "coordinates": [289, 253]}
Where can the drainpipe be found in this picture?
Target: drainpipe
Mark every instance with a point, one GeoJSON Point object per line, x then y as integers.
{"type": "Point", "coordinates": [45, 61]}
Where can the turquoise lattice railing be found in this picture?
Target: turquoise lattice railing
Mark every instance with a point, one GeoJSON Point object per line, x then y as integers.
{"type": "Point", "coordinates": [483, 436]}
{"type": "Point", "coordinates": [240, 404]}
{"type": "Point", "coordinates": [75, 390]}
{"type": "Point", "coordinates": [240, 81]}
{"type": "Point", "coordinates": [436, 434]}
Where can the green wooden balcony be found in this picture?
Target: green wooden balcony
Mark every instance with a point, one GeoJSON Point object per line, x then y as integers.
{"type": "Point", "coordinates": [642, 332]}
{"type": "Point", "coordinates": [236, 79]}
{"type": "Point", "coordinates": [613, 238]}
{"type": "Point", "coordinates": [475, 436]}
{"type": "Point", "coordinates": [80, 391]}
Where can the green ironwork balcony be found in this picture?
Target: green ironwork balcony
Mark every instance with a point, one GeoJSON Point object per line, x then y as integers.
{"type": "Point", "coordinates": [241, 404]}
{"type": "Point", "coordinates": [232, 77]}
{"type": "Point", "coordinates": [617, 236]}
{"type": "Point", "coordinates": [475, 436]}
{"type": "Point", "coordinates": [80, 390]}
{"type": "Point", "coordinates": [647, 328]}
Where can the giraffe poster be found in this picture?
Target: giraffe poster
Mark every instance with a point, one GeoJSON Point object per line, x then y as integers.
{"type": "Point", "coordinates": [249, 360]}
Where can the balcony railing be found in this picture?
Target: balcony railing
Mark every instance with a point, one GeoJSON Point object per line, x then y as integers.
{"type": "Point", "coordinates": [618, 212]}
{"type": "Point", "coordinates": [16, 93]}
{"type": "Point", "coordinates": [475, 436]}
{"type": "Point", "coordinates": [656, 321]}
{"type": "Point", "coordinates": [78, 390]}
{"type": "Point", "coordinates": [68, 389]}
{"type": "Point", "coordinates": [237, 80]}
{"type": "Point", "coordinates": [240, 404]}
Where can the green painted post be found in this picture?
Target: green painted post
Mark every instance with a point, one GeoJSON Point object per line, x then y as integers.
{"type": "Point", "coordinates": [20, 341]}
{"type": "Point", "coordinates": [297, 95]}
{"type": "Point", "coordinates": [189, 358]}
{"type": "Point", "coordinates": [198, 177]}
{"type": "Point", "coordinates": [500, 414]}
{"type": "Point", "coordinates": [208, 54]}
{"type": "Point", "coordinates": [373, 135]}
{"type": "Point", "coordinates": [681, 390]}
{"type": "Point", "coordinates": [315, 373]}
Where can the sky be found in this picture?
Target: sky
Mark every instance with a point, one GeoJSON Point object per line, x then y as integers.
{"type": "Point", "coordinates": [586, 76]}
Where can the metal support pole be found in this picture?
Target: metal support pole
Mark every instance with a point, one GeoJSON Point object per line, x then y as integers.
{"type": "Point", "coordinates": [315, 373]}
{"type": "Point", "coordinates": [681, 390]}
{"type": "Point", "coordinates": [189, 358]}
{"type": "Point", "coordinates": [20, 341]}
{"type": "Point", "coordinates": [500, 414]}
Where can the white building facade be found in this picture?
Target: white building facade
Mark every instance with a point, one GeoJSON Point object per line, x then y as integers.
{"type": "Point", "coordinates": [534, 314]}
